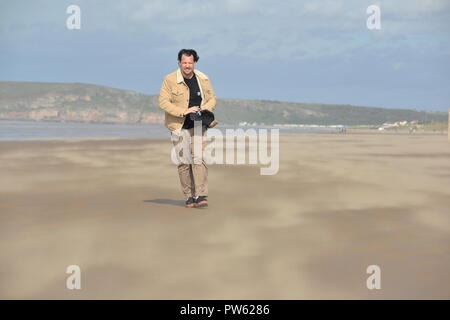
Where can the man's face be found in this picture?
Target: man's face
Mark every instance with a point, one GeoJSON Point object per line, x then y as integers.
{"type": "Point", "coordinates": [187, 65]}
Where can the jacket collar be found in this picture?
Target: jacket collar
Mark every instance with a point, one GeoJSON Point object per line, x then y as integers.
{"type": "Point", "coordinates": [197, 73]}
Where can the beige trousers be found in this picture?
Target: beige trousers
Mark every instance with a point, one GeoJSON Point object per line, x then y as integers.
{"type": "Point", "coordinates": [192, 168]}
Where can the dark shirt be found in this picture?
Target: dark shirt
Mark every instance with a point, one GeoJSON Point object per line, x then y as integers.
{"type": "Point", "coordinates": [195, 99]}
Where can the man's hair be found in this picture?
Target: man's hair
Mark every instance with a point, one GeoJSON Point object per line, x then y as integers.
{"type": "Point", "coordinates": [188, 52]}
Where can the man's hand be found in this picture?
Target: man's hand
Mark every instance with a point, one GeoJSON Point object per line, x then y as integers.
{"type": "Point", "coordinates": [191, 110]}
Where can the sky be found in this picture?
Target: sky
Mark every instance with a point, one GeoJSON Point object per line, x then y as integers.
{"type": "Point", "coordinates": [298, 51]}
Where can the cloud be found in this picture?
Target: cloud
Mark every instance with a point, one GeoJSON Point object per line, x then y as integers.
{"type": "Point", "coordinates": [327, 42]}
{"type": "Point", "coordinates": [288, 29]}
{"type": "Point", "coordinates": [262, 29]}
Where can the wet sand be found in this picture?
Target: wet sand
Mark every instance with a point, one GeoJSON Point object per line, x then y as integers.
{"type": "Point", "coordinates": [338, 204]}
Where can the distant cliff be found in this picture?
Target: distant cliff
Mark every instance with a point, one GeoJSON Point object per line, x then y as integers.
{"type": "Point", "coordinates": [76, 102]}
{"type": "Point", "coordinates": [93, 103]}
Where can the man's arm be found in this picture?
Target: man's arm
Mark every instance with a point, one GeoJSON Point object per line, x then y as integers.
{"type": "Point", "coordinates": [211, 103]}
{"type": "Point", "coordinates": [165, 104]}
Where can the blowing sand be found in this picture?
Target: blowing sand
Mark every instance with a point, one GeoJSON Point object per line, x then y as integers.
{"type": "Point", "coordinates": [338, 204]}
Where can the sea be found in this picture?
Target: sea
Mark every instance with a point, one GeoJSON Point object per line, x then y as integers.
{"type": "Point", "coordinates": [11, 130]}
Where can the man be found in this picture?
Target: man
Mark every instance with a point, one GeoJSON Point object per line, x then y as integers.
{"type": "Point", "coordinates": [182, 93]}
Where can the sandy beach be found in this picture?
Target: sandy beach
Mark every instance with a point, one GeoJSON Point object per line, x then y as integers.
{"type": "Point", "coordinates": [339, 203]}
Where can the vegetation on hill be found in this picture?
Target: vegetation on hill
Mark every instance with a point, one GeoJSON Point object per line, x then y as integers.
{"type": "Point", "coordinates": [94, 103]}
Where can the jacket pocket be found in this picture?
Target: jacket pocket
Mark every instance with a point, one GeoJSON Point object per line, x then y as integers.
{"type": "Point", "coordinates": [176, 95]}
{"type": "Point", "coordinates": [176, 91]}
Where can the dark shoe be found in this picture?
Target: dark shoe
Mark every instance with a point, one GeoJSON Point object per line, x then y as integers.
{"type": "Point", "coordinates": [190, 202]}
{"type": "Point", "coordinates": [201, 201]}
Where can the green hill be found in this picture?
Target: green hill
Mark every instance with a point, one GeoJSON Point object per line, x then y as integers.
{"type": "Point", "coordinates": [94, 103]}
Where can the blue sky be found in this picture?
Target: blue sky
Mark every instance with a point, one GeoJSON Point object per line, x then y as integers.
{"type": "Point", "coordinates": [300, 51]}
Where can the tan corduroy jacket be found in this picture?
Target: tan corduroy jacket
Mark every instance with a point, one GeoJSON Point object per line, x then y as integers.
{"type": "Point", "coordinates": [174, 97]}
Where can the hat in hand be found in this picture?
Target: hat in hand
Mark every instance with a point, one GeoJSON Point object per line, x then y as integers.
{"type": "Point", "coordinates": [205, 116]}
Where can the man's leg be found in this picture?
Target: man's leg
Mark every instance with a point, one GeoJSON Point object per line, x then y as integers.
{"type": "Point", "coordinates": [186, 180]}
{"type": "Point", "coordinates": [199, 167]}
{"type": "Point", "coordinates": [184, 168]}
